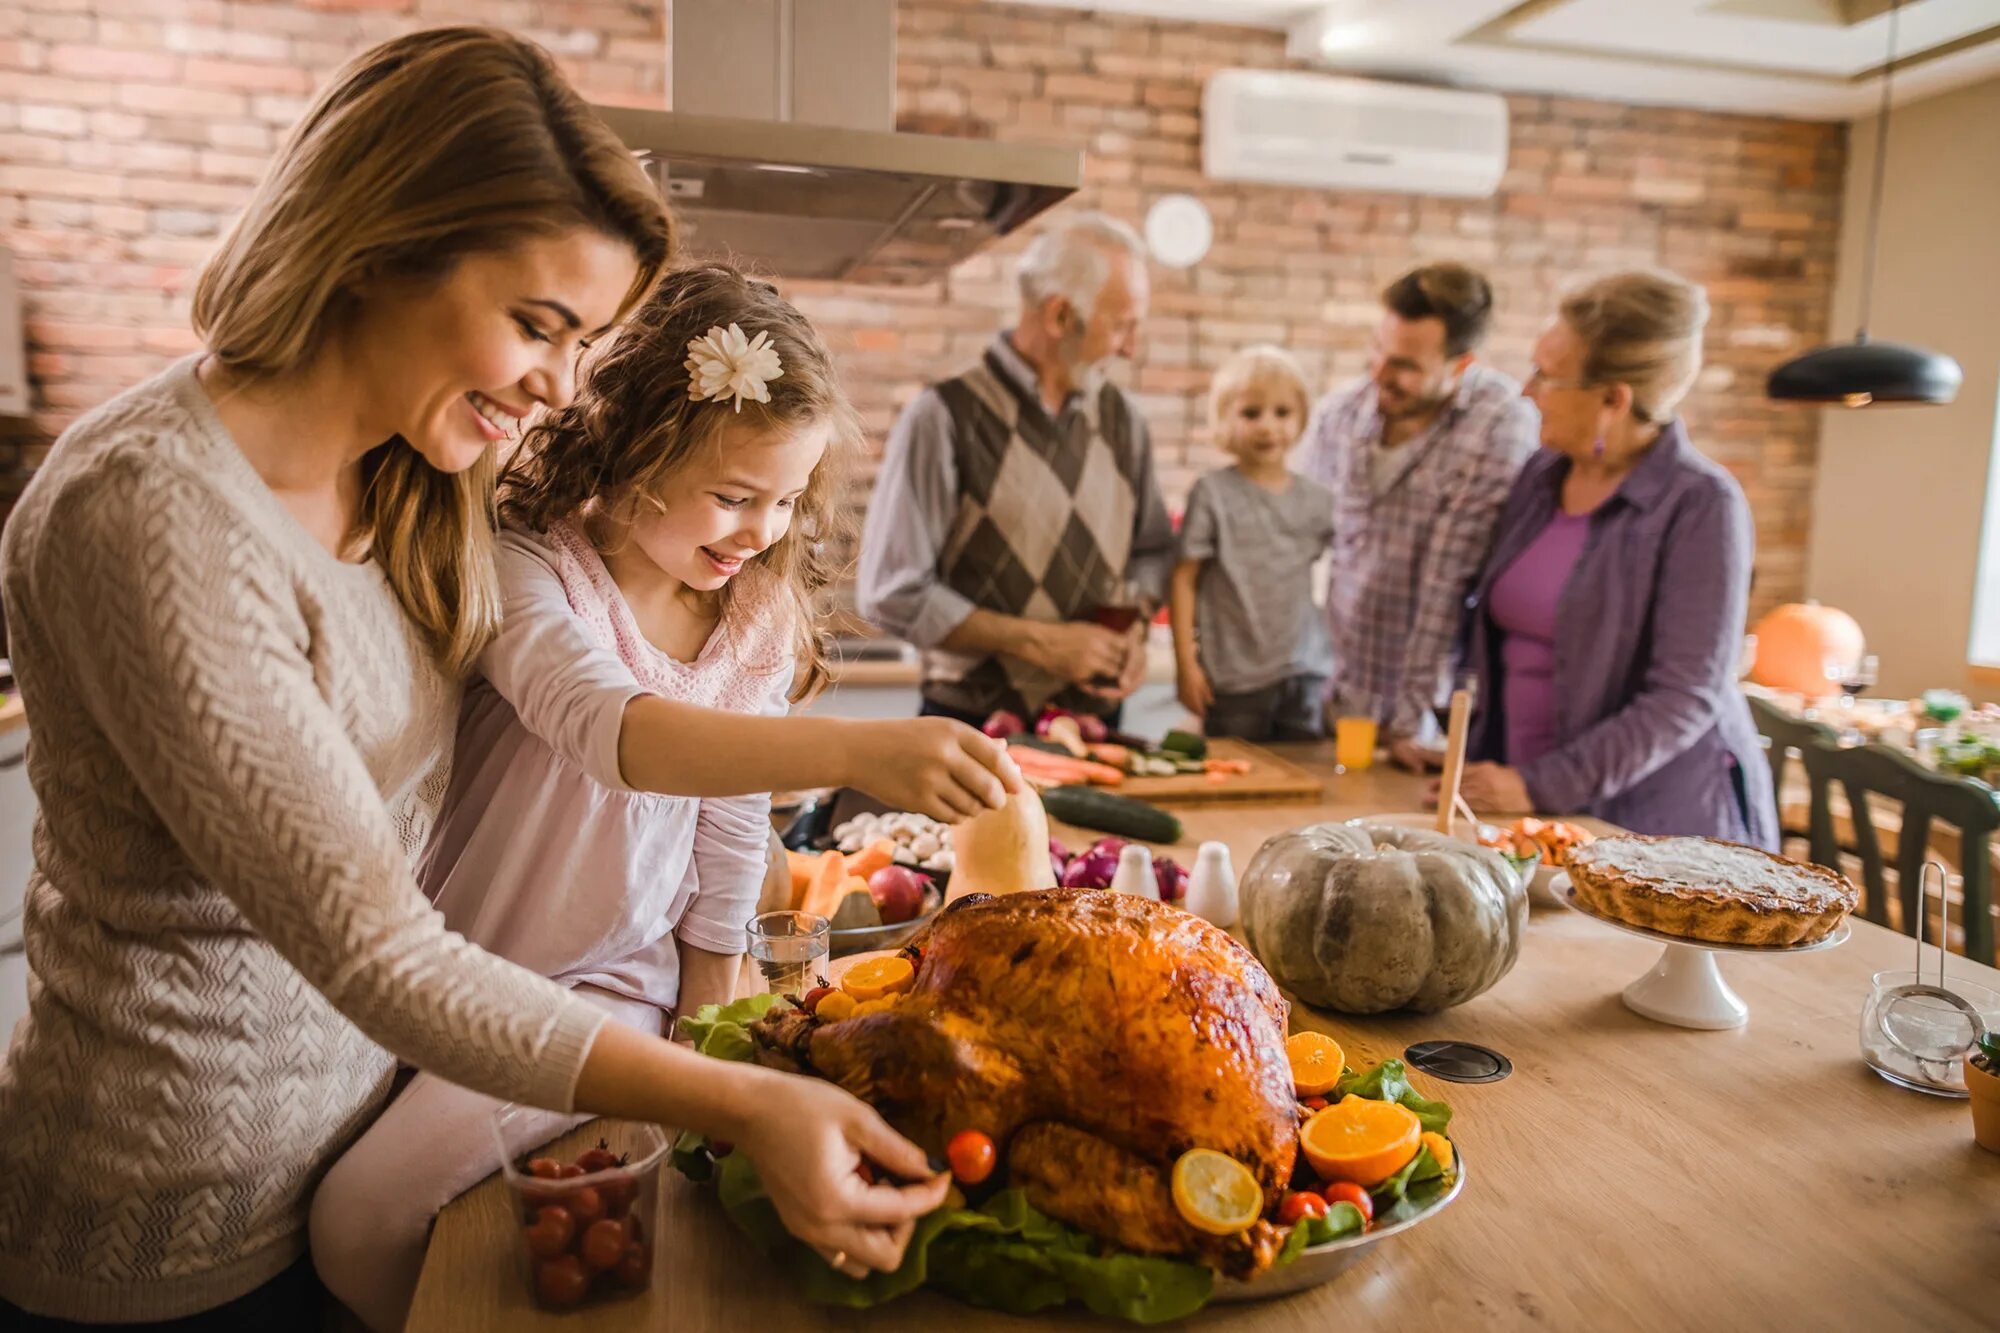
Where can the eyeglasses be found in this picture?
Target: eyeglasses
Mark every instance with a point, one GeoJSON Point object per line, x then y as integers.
{"type": "Point", "coordinates": [1537, 380]}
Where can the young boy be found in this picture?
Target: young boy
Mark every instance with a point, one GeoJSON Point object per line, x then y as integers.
{"type": "Point", "coordinates": [1250, 646]}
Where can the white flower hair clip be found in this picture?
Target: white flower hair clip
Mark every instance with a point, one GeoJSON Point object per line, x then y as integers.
{"type": "Point", "coordinates": [722, 363]}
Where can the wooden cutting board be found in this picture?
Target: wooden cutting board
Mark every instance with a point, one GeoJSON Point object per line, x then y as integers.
{"type": "Point", "coordinates": [1269, 779]}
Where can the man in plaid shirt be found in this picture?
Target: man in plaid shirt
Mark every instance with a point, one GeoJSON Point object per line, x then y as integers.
{"type": "Point", "coordinates": [1420, 456]}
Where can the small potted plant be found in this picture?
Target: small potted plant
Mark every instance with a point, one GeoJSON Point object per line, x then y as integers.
{"type": "Point", "coordinates": [1982, 1081]}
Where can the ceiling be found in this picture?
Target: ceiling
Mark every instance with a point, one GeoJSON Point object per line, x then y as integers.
{"type": "Point", "coordinates": [1814, 59]}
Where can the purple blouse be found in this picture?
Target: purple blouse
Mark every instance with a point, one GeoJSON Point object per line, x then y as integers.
{"type": "Point", "coordinates": [1524, 610]}
{"type": "Point", "coordinates": [1651, 728]}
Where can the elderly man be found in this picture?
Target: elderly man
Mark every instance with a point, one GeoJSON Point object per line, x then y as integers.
{"type": "Point", "coordinates": [1016, 533]}
{"type": "Point", "coordinates": [1420, 456]}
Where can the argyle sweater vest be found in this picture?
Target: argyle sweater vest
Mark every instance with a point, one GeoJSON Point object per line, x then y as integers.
{"type": "Point", "coordinates": [1046, 509]}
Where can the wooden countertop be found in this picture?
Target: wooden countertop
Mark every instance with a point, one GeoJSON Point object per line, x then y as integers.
{"type": "Point", "coordinates": [1626, 1176]}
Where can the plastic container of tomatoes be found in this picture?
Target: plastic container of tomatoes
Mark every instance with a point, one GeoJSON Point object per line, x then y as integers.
{"type": "Point", "coordinates": [583, 1229]}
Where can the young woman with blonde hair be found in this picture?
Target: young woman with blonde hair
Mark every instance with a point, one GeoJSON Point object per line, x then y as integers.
{"type": "Point", "coordinates": [240, 599]}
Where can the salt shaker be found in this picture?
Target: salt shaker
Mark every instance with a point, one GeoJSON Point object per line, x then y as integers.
{"type": "Point", "coordinates": [1135, 873]}
{"type": "Point", "coordinates": [1212, 886]}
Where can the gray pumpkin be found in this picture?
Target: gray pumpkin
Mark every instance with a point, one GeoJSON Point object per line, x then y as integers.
{"type": "Point", "coordinates": [1366, 918]}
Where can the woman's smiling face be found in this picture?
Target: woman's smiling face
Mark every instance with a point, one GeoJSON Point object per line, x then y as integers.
{"type": "Point", "coordinates": [456, 365]}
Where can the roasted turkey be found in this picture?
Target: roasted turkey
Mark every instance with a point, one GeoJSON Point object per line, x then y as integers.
{"type": "Point", "coordinates": [1096, 1037]}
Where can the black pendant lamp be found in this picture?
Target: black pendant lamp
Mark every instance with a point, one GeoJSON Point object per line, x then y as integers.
{"type": "Point", "coordinates": [1859, 373]}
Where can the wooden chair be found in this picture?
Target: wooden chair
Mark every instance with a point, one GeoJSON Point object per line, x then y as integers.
{"type": "Point", "coordinates": [1786, 738]}
{"type": "Point", "coordinates": [1867, 774]}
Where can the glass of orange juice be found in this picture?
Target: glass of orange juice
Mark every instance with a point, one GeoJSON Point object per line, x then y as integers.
{"type": "Point", "coordinates": [1353, 743]}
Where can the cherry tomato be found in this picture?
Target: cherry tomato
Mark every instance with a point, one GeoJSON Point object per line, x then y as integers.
{"type": "Point", "coordinates": [1314, 1103]}
{"type": "Point", "coordinates": [603, 1245]}
{"type": "Point", "coordinates": [551, 1233]}
{"type": "Point", "coordinates": [721, 1148]}
{"type": "Point", "coordinates": [618, 1191]}
{"type": "Point", "coordinates": [635, 1269]}
{"type": "Point", "coordinates": [1299, 1205]}
{"type": "Point", "coordinates": [586, 1205]}
{"type": "Point", "coordinates": [562, 1282]}
{"type": "Point", "coordinates": [1346, 1191]}
{"type": "Point", "coordinates": [570, 1172]}
{"type": "Point", "coordinates": [544, 1168]}
{"type": "Point", "coordinates": [599, 1158]}
{"type": "Point", "coordinates": [971, 1155]}
{"type": "Point", "coordinates": [811, 1002]}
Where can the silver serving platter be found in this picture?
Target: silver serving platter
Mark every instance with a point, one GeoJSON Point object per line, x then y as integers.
{"type": "Point", "coordinates": [1323, 1263]}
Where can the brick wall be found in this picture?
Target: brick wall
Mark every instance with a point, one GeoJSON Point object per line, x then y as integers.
{"type": "Point", "coordinates": [130, 129]}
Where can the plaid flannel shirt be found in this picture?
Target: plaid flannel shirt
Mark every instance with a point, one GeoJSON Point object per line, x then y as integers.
{"type": "Point", "coordinates": [1404, 560]}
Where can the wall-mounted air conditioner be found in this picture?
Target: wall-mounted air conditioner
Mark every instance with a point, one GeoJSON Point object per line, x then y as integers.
{"type": "Point", "coordinates": [1281, 127]}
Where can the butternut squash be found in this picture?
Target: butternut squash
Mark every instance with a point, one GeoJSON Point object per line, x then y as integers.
{"type": "Point", "coordinates": [1004, 850]}
{"type": "Point", "coordinates": [872, 858]}
{"type": "Point", "coordinates": [823, 890]}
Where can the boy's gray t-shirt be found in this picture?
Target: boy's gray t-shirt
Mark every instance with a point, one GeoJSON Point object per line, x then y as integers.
{"type": "Point", "coordinates": [1255, 619]}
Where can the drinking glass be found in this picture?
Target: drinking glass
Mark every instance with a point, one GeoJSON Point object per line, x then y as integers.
{"type": "Point", "coordinates": [791, 949]}
{"type": "Point", "coordinates": [1353, 744]}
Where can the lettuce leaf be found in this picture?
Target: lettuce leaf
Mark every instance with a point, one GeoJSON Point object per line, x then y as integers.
{"type": "Point", "coordinates": [1390, 1082]}
{"type": "Point", "coordinates": [723, 1030]}
{"type": "Point", "coordinates": [1002, 1255]}
{"type": "Point", "coordinates": [1342, 1219]}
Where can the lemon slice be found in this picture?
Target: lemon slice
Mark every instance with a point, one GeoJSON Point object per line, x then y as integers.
{"type": "Point", "coordinates": [1215, 1192]}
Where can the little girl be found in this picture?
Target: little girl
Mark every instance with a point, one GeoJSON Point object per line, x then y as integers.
{"type": "Point", "coordinates": [663, 543]}
{"type": "Point", "coordinates": [1251, 649]}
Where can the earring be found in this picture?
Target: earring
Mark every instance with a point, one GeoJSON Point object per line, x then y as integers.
{"type": "Point", "coordinates": [1597, 449]}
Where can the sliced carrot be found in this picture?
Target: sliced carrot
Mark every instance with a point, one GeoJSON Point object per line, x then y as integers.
{"type": "Point", "coordinates": [1226, 766]}
{"type": "Point", "coordinates": [872, 858]}
{"type": "Point", "coordinates": [1036, 763]}
{"type": "Point", "coordinates": [1115, 755]}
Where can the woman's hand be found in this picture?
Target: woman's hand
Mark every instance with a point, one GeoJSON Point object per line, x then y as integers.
{"type": "Point", "coordinates": [933, 766]}
{"type": "Point", "coordinates": [1414, 756]}
{"type": "Point", "coordinates": [1192, 685]}
{"type": "Point", "coordinates": [1491, 789]}
{"type": "Point", "coordinates": [808, 1145]}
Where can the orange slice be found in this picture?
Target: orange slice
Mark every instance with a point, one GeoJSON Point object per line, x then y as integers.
{"type": "Point", "coordinates": [1215, 1192]}
{"type": "Point", "coordinates": [876, 977]}
{"type": "Point", "coordinates": [1440, 1147]}
{"type": "Point", "coordinates": [835, 1007]}
{"type": "Point", "coordinates": [1360, 1140]}
{"type": "Point", "coordinates": [1317, 1062]}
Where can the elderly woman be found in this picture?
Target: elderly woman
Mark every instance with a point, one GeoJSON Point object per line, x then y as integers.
{"type": "Point", "coordinates": [1608, 621]}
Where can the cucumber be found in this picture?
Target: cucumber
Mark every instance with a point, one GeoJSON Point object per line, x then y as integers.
{"type": "Point", "coordinates": [1187, 743]}
{"type": "Point", "coordinates": [1087, 807]}
{"type": "Point", "coordinates": [1027, 742]}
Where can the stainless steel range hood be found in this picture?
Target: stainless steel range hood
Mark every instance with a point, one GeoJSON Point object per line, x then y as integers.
{"type": "Point", "coordinates": [839, 195]}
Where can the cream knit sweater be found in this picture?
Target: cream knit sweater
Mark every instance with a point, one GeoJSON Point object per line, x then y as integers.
{"type": "Point", "coordinates": [239, 743]}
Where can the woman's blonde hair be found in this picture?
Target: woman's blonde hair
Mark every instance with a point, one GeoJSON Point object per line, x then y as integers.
{"type": "Point", "coordinates": [421, 151]}
{"type": "Point", "coordinates": [632, 427]}
{"type": "Point", "coordinates": [1262, 364]}
{"type": "Point", "coordinates": [1640, 328]}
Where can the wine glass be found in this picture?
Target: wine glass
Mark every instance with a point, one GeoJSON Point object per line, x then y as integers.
{"type": "Point", "coordinates": [1860, 676]}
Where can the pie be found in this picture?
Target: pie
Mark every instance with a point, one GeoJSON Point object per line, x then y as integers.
{"type": "Point", "coordinates": [1706, 889]}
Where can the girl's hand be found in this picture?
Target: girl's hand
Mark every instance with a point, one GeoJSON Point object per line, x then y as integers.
{"type": "Point", "coordinates": [933, 766]}
{"type": "Point", "coordinates": [808, 1145]}
{"type": "Point", "coordinates": [1193, 687]}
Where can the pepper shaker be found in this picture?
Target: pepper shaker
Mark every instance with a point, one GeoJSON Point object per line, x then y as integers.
{"type": "Point", "coordinates": [1212, 886]}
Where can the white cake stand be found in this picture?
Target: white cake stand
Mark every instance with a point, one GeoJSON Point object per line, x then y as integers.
{"type": "Point", "coordinates": [1685, 987]}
